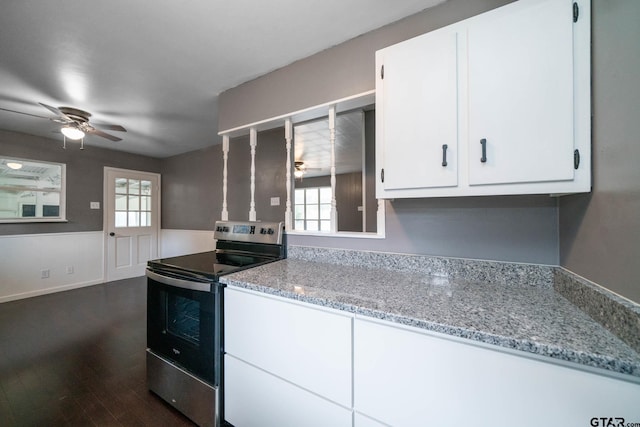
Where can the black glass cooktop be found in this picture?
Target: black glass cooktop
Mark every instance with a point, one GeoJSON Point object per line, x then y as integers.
{"type": "Point", "coordinates": [209, 264]}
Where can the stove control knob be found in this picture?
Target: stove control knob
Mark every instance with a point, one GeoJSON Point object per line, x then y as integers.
{"type": "Point", "coordinates": [270, 231]}
{"type": "Point", "coordinates": [225, 229]}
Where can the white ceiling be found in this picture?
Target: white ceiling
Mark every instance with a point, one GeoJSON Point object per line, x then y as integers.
{"type": "Point", "coordinates": [312, 147]}
{"type": "Point", "coordinates": [157, 66]}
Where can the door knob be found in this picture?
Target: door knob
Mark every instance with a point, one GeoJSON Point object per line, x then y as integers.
{"type": "Point", "coordinates": [112, 234]}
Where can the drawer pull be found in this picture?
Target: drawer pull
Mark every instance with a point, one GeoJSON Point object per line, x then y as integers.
{"type": "Point", "coordinates": [483, 142]}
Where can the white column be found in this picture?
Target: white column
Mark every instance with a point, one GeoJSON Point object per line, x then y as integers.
{"type": "Point", "coordinates": [225, 156]}
{"type": "Point", "coordinates": [332, 141]}
{"type": "Point", "coordinates": [288, 214]}
{"type": "Point", "coordinates": [253, 141]}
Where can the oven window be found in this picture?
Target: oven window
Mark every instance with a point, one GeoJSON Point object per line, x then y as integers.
{"type": "Point", "coordinates": [183, 318]}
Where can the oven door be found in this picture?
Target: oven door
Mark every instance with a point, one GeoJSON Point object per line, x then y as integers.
{"type": "Point", "coordinates": [183, 323]}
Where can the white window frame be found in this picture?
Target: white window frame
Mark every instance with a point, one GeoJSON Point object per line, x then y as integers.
{"type": "Point", "coordinates": [319, 220]}
{"type": "Point", "coordinates": [62, 214]}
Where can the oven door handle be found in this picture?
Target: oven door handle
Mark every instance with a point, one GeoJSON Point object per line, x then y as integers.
{"type": "Point", "coordinates": [180, 283]}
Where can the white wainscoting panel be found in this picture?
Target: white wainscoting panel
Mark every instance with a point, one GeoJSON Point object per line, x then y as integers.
{"type": "Point", "coordinates": [182, 242]}
{"type": "Point", "coordinates": [72, 260]}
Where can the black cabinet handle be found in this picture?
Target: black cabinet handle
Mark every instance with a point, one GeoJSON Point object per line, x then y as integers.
{"type": "Point", "coordinates": [444, 154]}
{"type": "Point", "coordinates": [483, 142]}
{"type": "Point", "coordinates": [382, 175]}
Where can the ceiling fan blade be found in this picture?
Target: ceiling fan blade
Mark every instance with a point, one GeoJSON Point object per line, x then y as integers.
{"type": "Point", "coordinates": [98, 132]}
{"type": "Point", "coordinates": [109, 127]}
{"type": "Point", "coordinates": [57, 112]}
{"type": "Point", "coordinates": [26, 114]}
{"type": "Point", "coordinates": [54, 110]}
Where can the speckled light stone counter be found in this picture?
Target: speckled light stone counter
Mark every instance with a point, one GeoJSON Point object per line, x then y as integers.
{"type": "Point", "coordinates": [509, 305]}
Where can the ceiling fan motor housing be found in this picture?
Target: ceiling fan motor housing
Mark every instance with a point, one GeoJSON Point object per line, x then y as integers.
{"type": "Point", "coordinates": [78, 116]}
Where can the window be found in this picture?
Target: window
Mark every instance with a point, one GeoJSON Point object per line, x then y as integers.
{"type": "Point", "coordinates": [133, 203]}
{"type": "Point", "coordinates": [31, 190]}
{"type": "Point", "coordinates": [313, 209]}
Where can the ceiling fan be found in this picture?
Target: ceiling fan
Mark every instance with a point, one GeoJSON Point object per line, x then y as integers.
{"type": "Point", "coordinates": [75, 122]}
{"type": "Point", "coordinates": [301, 168]}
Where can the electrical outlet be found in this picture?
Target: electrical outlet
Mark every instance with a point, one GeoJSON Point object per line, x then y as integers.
{"type": "Point", "coordinates": [94, 205]}
{"type": "Point", "coordinates": [275, 201]}
{"type": "Point", "coordinates": [70, 269]}
{"type": "Point", "coordinates": [44, 274]}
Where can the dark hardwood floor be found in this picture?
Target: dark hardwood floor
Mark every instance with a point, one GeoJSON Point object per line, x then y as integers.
{"type": "Point", "coordinates": [77, 358]}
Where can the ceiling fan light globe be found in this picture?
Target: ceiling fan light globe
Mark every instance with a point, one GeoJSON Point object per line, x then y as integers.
{"type": "Point", "coordinates": [14, 165]}
{"type": "Point", "coordinates": [72, 133]}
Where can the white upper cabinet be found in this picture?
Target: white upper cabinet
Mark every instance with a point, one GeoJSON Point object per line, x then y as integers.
{"type": "Point", "coordinates": [419, 125]}
{"type": "Point", "coordinates": [521, 95]}
{"type": "Point", "coordinates": [507, 92]}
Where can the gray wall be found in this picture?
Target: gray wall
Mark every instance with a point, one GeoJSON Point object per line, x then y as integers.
{"type": "Point", "coordinates": [192, 189]}
{"type": "Point", "coordinates": [522, 229]}
{"type": "Point", "coordinates": [509, 228]}
{"type": "Point", "coordinates": [600, 232]}
{"type": "Point", "coordinates": [370, 170]}
{"type": "Point", "coordinates": [85, 176]}
{"type": "Point", "coordinates": [192, 183]}
{"type": "Point", "coordinates": [343, 70]}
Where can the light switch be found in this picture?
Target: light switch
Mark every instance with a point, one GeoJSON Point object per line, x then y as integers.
{"type": "Point", "coordinates": [94, 205]}
{"type": "Point", "coordinates": [275, 201]}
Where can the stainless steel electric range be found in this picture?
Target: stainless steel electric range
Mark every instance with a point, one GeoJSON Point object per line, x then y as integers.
{"type": "Point", "coordinates": [185, 304]}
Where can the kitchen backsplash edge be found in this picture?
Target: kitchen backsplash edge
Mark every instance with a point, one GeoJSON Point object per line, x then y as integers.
{"type": "Point", "coordinates": [616, 314]}
{"type": "Point", "coordinates": [619, 315]}
{"type": "Point", "coordinates": [455, 268]}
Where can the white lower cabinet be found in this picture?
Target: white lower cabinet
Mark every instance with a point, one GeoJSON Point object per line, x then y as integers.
{"type": "Point", "coordinates": [295, 357]}
{"type": "Point", "coordinates": [254, 397]}
{"type": "Point", "coordinates": [404, 377]}
{"type": "Point", "coordinates": [295, 364]}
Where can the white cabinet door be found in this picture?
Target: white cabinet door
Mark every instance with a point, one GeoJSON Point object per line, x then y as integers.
{"type": "Point", "coordinates": [508, 91]}
{"type": "Point", "coordinates": [255, 398]}
{"type": "Point", "coordinates": [521, 94]}
{"type": "Point", "coordinates": [408, 378]}
{"type": "Point", "coordinates": [417, 108]}
{"type": "Point", "coordinates": [307, 346]}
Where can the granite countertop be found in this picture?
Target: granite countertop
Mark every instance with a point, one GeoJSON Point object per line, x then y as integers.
{"type": "Point", "coordinates": [519, 316]}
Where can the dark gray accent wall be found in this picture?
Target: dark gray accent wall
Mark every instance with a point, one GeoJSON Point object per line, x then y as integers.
{"type": "Point", "coordinates": [192, 183]}
{"type": "Point", "coordinates": [600, 232]}
{"type": "Point", "coordinates": [239, 178]}
{"type": "Point", "coordinates": [192, 189]}
{"type": "Point", "coordinates": [520, 229]}
{"type": "Point", "coordinates": [271, 175]}
{"type": "Point", "coordinates": [85, 176]}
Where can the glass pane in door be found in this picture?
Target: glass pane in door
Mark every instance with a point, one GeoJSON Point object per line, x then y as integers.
{"type": "Point", "coordinates": [133, 203]}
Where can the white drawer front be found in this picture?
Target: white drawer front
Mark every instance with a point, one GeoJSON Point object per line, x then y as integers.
{"type": "Point", "coordinates": [307, 346]}
{"type": "Point", "coordinates": [254, 398]}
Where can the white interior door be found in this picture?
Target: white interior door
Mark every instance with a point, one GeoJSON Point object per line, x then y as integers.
{"type": "Point", "coordinates": [132, 221]}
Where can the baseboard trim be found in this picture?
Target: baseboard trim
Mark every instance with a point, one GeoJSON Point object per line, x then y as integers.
{"type": "Point", "coordinates": [40, 292]}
